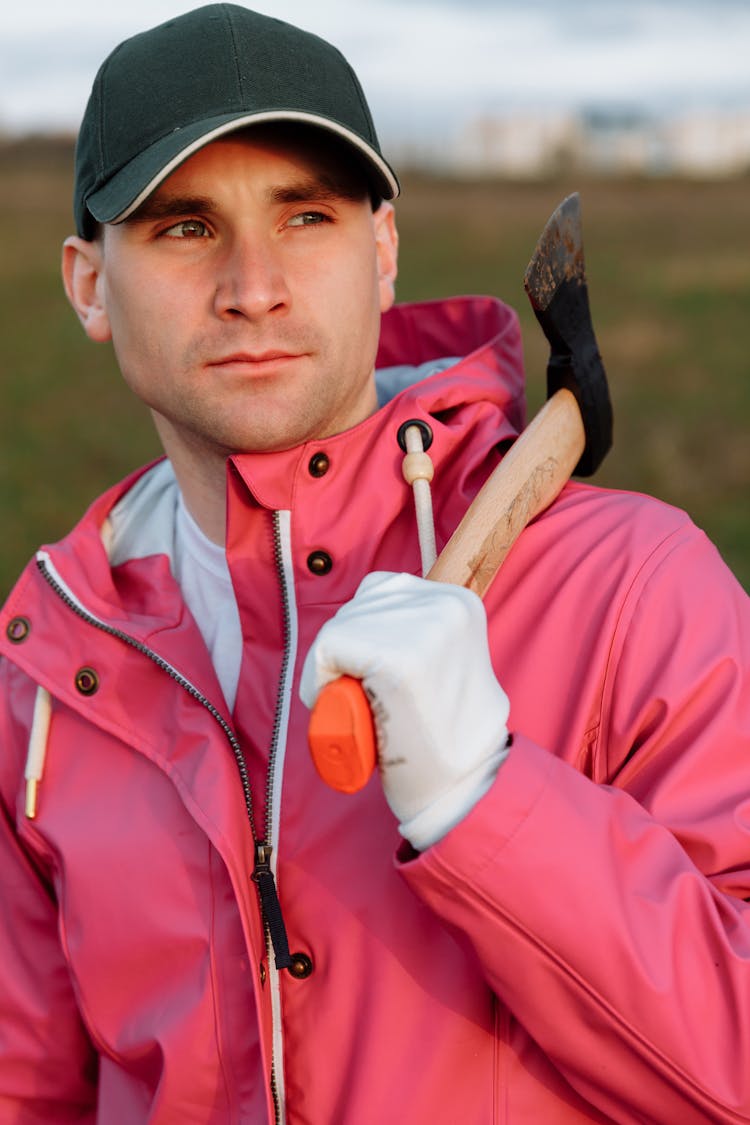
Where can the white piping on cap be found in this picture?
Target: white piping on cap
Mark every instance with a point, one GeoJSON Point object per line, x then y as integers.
{"type": "Point", "coordinates": [258, 119]}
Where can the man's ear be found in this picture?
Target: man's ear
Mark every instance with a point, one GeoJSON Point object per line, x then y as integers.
{"type": "Point", "coordinates": [386, 242]}
{"type": "Point", "coordinates": [82, 271]}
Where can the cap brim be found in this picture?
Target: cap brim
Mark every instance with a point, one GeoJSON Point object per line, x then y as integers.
{"type": "Point", "coordinates": [128, 188]}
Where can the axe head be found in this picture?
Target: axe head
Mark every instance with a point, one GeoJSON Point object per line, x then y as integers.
{"type": "Point", "coordinates": [555, 282]}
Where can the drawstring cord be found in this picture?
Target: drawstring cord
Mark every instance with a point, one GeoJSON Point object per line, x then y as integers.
{"type": "Point", "coordinates": [418, 471]}
{"type": "Point", "coordinates": [37, 749]}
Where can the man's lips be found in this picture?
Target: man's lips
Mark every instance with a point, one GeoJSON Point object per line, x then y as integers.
{"type": "Point", "coordinates": [253, 359]}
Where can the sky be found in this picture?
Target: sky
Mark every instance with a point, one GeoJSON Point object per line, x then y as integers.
{"type": "Point", "coordinates": [426, 65]}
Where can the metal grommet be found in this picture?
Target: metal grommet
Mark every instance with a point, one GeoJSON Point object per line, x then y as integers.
{"type": "Point", "coordinates": [319, 464]}
{"type": "Point", "coordinates": [18, 630]}
{"type": "Point", "coordinates": [301, 967]}
{"type": "Point", "coordinates": [87, 681]}
{"type": "Point", "coordinates": [426, 433]}
{"type": "Point", "coordinates": [319, 562]}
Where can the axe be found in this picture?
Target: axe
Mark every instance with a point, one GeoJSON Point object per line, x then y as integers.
{"type": "Point", "coordinates": [570, 434]}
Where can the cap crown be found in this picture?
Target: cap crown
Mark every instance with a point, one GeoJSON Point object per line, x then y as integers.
{"type": "Point", "coordinates": [164, 92]}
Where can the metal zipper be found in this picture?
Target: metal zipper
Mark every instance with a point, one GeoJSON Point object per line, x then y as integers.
{"type": "Point", "coordinates": [280, 724]}
{"type": "Point", "coordinates": [44, 567]}
{"type": "Point", "coordinates": [278, 719]}
{"type": "Point", "coordinates": [262, 874]}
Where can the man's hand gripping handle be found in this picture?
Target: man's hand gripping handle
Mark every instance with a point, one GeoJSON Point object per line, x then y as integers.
{"type": "Point", "coordinates": [342, 733]}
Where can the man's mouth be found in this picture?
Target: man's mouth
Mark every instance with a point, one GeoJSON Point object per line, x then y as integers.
{"type": "Point", "coordinates": [258, 362]}
{"type": "Point", "coordinates": [254, 357]}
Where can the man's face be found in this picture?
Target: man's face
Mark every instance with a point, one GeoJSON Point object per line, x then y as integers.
{"type": "Point", "coordinates": [243, 299]}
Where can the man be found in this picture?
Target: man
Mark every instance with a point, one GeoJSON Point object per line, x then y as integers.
{"type": "Point", "coordinates": [537, 911]}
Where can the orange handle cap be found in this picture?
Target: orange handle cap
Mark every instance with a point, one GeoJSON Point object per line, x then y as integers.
{"type": "Point", "coordinates": [342, 736]}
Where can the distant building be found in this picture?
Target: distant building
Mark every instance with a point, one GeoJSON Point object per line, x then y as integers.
{"type": "Point", "coordinates": [519, 145]}
{"type": "Point", "coordinates": [621, 141]}
{"type": "Point", "coordinates": [709, 144]}
{"type": "Point", "coordinates": [609, 141]}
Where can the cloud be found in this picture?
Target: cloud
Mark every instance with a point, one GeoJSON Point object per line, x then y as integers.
{"type": "Point", "coordinates": [422, 61]}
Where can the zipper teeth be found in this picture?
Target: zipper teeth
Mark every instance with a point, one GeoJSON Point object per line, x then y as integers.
{"type": "Point", "coordinates": [275, 1096]}
{"type": "Point", "coordinates": [277, 723]}
{"type": "Point", "coordinates": [112, 631]}
{"type": "Point", "coordinates": [286, 655]}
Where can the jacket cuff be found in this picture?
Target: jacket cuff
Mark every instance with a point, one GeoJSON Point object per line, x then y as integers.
{"type": "Point", "coordinates": [475, 840]}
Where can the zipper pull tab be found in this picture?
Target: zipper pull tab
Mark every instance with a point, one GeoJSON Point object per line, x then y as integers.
{"type": "Point", "coordinates": [270, 906]}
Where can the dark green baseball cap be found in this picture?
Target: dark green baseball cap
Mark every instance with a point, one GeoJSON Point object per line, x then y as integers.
{"type": "Point", "coordinates": [163, 94]}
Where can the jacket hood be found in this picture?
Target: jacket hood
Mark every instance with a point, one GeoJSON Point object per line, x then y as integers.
{"type": "Point", "coordinates": [480, 336]}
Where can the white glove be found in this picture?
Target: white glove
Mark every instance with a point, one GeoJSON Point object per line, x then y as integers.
{"type": "Point", "coordinates": [421, 650]}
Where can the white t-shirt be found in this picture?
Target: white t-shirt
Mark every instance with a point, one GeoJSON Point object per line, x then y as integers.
{"type": "Point", "coordinates": [202, 572]}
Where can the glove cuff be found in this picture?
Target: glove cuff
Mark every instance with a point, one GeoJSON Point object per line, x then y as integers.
{"type": "Point", "coordinates": [444, 813]}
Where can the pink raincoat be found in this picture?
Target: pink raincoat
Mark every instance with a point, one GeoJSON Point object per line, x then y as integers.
{"type": "Point", "coordinates": [576, 950]}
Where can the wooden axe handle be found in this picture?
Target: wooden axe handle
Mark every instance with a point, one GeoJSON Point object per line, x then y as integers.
{"type": "Point", "coordinates": [341, 734]}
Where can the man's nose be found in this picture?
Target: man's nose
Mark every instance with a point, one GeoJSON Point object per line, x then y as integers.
{"type": "Point", "coordinates": [251, 281]}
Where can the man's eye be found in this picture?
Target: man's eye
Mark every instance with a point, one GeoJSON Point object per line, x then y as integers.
{"type": "Point", "coordinates": [307, 219]}
{"type": "Point", "coordinates": [188, 228]}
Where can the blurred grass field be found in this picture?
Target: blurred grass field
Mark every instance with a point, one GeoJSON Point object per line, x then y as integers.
{"type": "Point", "coordinates": [668, 265]}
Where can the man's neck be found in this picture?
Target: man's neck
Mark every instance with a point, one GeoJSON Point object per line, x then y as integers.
{"type": "Point", "coordinates": [202, 478]}
{"type": "Point", "coordinates": [205, 500]}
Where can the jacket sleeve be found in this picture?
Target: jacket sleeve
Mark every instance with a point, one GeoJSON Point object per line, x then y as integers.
{"type": "Point", "coordinates": [47, 1063]}
{"type": "Point", "coordinates": [611, 917]}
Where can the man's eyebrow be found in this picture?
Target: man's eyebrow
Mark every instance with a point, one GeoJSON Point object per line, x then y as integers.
{"type": "Point", "coordinates": [313, 189]}
{"type": "Point", "coordinates": [169, 206]}
{"type": "Point", "coordinates": [319, 189]}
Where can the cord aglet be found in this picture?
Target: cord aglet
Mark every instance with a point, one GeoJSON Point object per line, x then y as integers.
{"type": "Point", "coordinates": [32, 788]}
